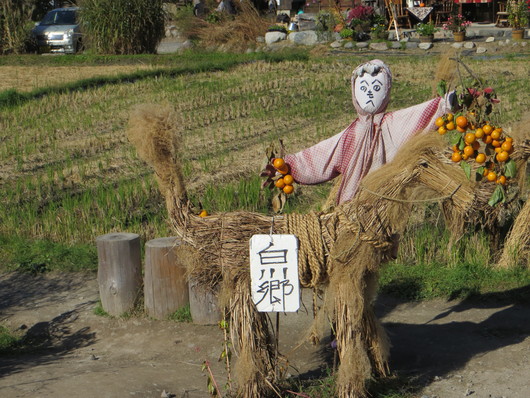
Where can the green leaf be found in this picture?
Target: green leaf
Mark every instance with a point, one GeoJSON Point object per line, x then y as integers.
{"type": "Point", "coordinates": [497, 196]}
{"type": "Point", "coordinates": [480, 172]}
{"type": "Point", "coordinates": [510, 170]}
{"type": "Point", "coordinates": [441, 88]}
{"type": "Point", "coordinates": [467, 169]}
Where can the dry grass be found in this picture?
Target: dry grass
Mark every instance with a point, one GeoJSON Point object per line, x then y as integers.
{"type": "Point", "coordinates": [27, 78]}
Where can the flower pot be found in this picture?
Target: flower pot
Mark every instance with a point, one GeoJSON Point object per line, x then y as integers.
{"type": "Point", "coordinates": [459, 36]}
{"type": "Point", "coordinates": [426, 38]}
{"type": "Point", "coordinates": [517, 34]}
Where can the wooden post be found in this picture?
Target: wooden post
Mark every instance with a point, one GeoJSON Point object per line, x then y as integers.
{"type": "Point", "coordinates": [165, 284]}
{"type": "Point", "coordinates": [203, 305]}
{"type": "Point", "coordinates": [119, 271]}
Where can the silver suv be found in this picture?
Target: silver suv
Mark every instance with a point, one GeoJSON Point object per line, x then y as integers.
{"type": "Point", "coordinates": [58, 32]}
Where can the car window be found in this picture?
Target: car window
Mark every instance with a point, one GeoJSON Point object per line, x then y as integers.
{"type": "Point", "coordinates": [59, 18]}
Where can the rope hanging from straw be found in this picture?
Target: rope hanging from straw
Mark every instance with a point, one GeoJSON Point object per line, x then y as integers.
{"type": "Point", "coordinates": [311, 253]}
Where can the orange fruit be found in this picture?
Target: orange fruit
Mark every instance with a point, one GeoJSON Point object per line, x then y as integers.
{"type": "Point", "coordinates": [439, 122]}
{"type": "Point", "coordinates": [507, 146]}
{"type": "Point", "coordinates": [284, 169]}
{"type": "Point", "coordinates": [203, 213]}
{"type": "Point", "coordinates": [509, 139]}
{"type": "Point", "coordinates": [455, 148]}
{"type": "Point", "coordinates": [502, 156]}
{"type": "Point", "coordinates": [487, 129]}
{"type": "Point", "coordinates": [288, 179]}
{"type": "Point", "coordinates": [495, 134]}
{"type": "Point", "coordinates": [288, 189]}
{"type": "Point", "coordinates": [501, 180]}
{"type": "Point", "coordinates": [442, 130]}
{"type": "Point", "coordinates": [499, 129]}
{"type": "Point", "coordinates": [280, 183]}
{"type": "Point", "coordinates": [456, 157]}
{"type": "Point", "coordinates": [450, 126]}
{"type": "Point", "coordinates": [461, 121]}
{"type": "Point", "coordinates": [476, 145]}
{"type": "Point", "coordinates": [479, 133]}
{"type": "Point", "coordinates": [470, 138]}
{"type": "Point", "coordinates": [468, 150]}
{"type": "Point", "coordinates": [278, 163]}
{"type": "Point", "coordinates": [461, 129]}
{"type": "Point", "coordinates": [481, 158]}
{"type": "Point", "coordinates": [491, 176]}
{"type": "Point", "coordinates": [465, 157]}
{"type": "Point", "coordinates": [449, 117]}
{"type": "Point", "coordinates": [498, 149]}
{"type": "Point", "coordinates": [495, 143]}
{"type": "Point", "coordinates": [487, 139]}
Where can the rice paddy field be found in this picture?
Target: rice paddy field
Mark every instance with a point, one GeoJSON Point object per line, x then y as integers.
{"type": "Point", "coordinates": [69, 174]}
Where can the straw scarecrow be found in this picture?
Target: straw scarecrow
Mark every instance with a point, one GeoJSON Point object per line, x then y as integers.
{"type": "Point", "coordinates": [341, 250]}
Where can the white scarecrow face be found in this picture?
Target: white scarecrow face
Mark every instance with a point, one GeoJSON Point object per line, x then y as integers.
{"type": "Point", "coordinates": [370, 91]}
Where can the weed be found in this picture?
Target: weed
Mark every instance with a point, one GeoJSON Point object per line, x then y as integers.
{"type": "Point", "coordinates": [183, 314]}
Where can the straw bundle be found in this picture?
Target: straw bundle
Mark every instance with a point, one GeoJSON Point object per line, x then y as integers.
{"type": "Point", "coordinates": [341, 250]}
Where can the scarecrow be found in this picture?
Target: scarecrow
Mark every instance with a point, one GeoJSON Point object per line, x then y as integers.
{"type": "Point", "coordinates": [371, 140]}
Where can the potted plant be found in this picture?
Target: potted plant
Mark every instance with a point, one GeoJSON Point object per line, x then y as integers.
{"type": "Point", "coordinates": [458, 24]}
{"type": "Point", "coordinates": [426, 31]}
{"type": "Point", "coordinates": [517, 17]}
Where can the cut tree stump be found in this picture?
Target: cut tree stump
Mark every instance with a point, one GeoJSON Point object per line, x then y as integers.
{"type": "Point", "coordinates": [165, 284]}
{"type": "Point", "coordinates": [204, 307]}
{"type": "Point", "coordinates": [119, 271]}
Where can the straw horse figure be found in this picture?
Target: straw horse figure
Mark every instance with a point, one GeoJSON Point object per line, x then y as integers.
{"type": "Point", "coordinates": [340, 251]}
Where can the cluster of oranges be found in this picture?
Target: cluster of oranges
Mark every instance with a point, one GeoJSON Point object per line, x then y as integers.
{"type": "Point", "coordinates": [285, 182]}
{"type": "Point", "coordinates": [487, 145]}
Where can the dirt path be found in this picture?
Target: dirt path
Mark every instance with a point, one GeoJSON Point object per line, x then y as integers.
{"type": "Point", "coordinates": [448, 349]}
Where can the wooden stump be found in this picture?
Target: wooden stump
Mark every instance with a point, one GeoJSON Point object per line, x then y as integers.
{"type": "Point", "coordinates": [119, 271]}
{"type": "Point", "coordinates": [203, 305]}
{"type": "Point", "coordinates": [165, 284]}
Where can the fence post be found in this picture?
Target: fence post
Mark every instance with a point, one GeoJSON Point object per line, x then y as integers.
{"type": "Point", "coordinates": [203, 305]}
{"type": "Point", "coordinates": [119, 271]}
{"type": "Point", "coordinates": [165, 284]}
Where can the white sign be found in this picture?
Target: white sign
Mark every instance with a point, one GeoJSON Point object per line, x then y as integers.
{"type": "Point", "coordinates": [274, 273]}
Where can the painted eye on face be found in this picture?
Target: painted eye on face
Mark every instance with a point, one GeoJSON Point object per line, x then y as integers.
{"type": "Point", "coordinates": [364, 88]}
{"type": "Point", "coordinates": [377, 87]}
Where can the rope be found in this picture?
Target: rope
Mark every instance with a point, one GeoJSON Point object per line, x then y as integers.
{"type": "Point", "coordinates": [311, 253]}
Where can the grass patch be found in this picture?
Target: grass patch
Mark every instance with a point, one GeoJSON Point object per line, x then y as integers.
{"type": "Point", "coordinates": [36, 256]}
{"type": "Point", "coordinates": [432, 280]}
{"type": "Point", "coordinates": [9, 341]}
{"type": "Point", "coordinates": [183, 314]}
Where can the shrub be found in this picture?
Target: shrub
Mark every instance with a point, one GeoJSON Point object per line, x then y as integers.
{"type": "Point", "coordinates": [15, 25]}
{"type": "Point", "coordinates": [122, 26]}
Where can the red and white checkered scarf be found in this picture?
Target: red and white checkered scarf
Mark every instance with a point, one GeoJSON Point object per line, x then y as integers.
{"type": "Point", "coordinates": [369, 142]}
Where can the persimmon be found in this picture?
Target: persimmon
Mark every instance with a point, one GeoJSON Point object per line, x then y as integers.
{"type": "Point", "coordinates": [476, 145]}
{"type": "Point", "coordinates": [203, 213]}
{"type": "Point", "coordinates": [487, 129]}
{"type": "Point", "coordinates": [487, 139]}
{"type": "Point", "coordinates": [288, 189]}
{"type": "Point", "coordinates": [442, 130]}
{"type": "Point", "coordinates": [439, 122]}
{"type": "Point", "coordinates": [479, 133]}
{"type": "Point", "coordinates": [470, 138]}
{"type": "Point", "coordinates": [284, 169]}
{"type": "Point", "coordinates": [468, 150]}
{"type": "Point", "coordinates": [495, 134]}
{"type": "Point", "coordinates": [280, 183]}
{"type": "Point", "coordinates": [502, 156]}
{"type": "Point", "coordinates": [480, 158]}
{"type": "Point", "coordinates": [492, 176]}
{"type": "Point", "coordinates": [450, 126]}
{"type": "Point", "coordinates": [509, 139]}
{"type": "Point", "coordinates": [449, 117]}
{"type": "Point", "coordinates": [501, 180]}
{"type": "Point", "coordinates": [456, 157]}
{"type": "Point", "coordinates": [288, 179]}
{"type": "Point", "coordinates": [507, 146]}
{"type": "Point", "coordinates": [495, 143]}
{"type": "Point", "coordinates": [461, 129]}
{"type": "Point", "coordinates": [278, 163]}
{"type": "Point", "coordinates": [461, 121]}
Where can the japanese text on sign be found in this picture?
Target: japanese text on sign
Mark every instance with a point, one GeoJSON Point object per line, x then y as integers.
{"type": "Point", "coordinates": [274, 273]}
